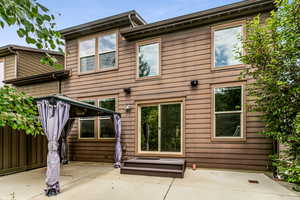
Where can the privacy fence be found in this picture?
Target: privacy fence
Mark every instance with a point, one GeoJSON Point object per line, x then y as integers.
{"type": "Point", "coordinates": [21, 152]}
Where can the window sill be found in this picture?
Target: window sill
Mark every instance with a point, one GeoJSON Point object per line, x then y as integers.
{"type": "Point", "coordinates": [157, 77]}
{"type": "Point", "coordinates": [239, 66]}
{"type": "Point", "coordinates": [106, 139]}
{"type": "Point", "coordinates": [228, 139]}
{"type": "Point", "coordinates": [98, 71]}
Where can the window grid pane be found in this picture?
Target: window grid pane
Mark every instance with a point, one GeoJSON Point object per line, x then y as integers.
{"type": "Point", "coordinates": [87, 125]}
{"type": "Point", "coordinates": [226, 43]}
{"type": "Point", "coordinates": [148, 60]}
{"type": "Point", "coordinates": [228, 112]}
{"type": "Point", "coordinates": [107, 129]}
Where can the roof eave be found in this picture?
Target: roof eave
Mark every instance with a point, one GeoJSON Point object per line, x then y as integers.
{"type": "Point", "coordinates": [180, 23]}
{"type": "Point", "coordinates": [39, 78]}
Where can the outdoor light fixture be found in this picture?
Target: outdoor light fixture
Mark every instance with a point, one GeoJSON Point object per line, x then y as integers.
{"type": "Point", "coordinates": [127, 91]}
{"type": "Point", "coordinates": [194, 83]}
{"type": "Point", "coordinates": [128, 108]}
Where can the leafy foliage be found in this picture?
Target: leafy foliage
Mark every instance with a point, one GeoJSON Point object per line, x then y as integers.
{"type": "Point", "coordinates": [18, 111]}
{"type": "Point", "coordinates": [34, 24]}
{"type": "Point", "coordinates": [273, 56]}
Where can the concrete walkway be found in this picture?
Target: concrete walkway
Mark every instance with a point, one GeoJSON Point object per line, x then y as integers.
{"type": "Point", "coordinates": [98, 181]}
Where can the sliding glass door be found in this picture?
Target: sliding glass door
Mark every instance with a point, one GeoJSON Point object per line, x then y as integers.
{"type": "Point", "coordinates": [160, 128]}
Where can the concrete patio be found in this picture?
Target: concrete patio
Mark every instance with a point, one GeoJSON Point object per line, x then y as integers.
{"type": "Point", "coordinates": [97, 181]}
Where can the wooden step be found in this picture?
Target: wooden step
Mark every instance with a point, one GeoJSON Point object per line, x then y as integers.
{"type": "Point", "coordinates": [152, 172]}
{"type": "Point", "coordinates": [164, 167]}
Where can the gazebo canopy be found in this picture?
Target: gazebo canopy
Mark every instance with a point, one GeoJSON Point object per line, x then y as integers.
{"type": "Point", "coordinates": [79, 108]}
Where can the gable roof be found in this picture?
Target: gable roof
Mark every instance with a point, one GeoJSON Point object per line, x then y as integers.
{"type": "Point", "coordinates": [230, 11]}
{"type": "Point", "coordinates": [11, 49]}
{"type": "Point", "coordinates": [130, 18]}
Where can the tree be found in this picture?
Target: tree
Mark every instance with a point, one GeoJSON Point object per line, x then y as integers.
{"type": "Point", "coordinates": [273, 57]}
{"type": "Point", "coordinates": [34, 23]}
{"type": "Point", "coordinates": [18, 111]}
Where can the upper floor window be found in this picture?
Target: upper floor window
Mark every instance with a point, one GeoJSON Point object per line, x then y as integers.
{"type": "Point", "coordinates": [148, 62]}
{"type": "Point", "coordinates": [1, 73]}
{"type": "Point", "coordinates": [87, 55]}
{"type": "Point", "coordinates": [107, 51]}
{"type": "Point", "coordinates": [227, 45]}
{"type": "Point", "coordinates": [98, 53]}
{"type": "Point", "coordinates": [228, 112]}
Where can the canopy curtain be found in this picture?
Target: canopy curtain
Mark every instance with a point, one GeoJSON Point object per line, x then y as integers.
{"type": "Point", "coordinates": [118, 147]}
{"type": "Point", "coordinates": [53, 118]}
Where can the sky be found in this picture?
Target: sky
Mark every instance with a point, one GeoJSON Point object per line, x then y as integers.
{"type": "Point", "coordinates": [74, 12]}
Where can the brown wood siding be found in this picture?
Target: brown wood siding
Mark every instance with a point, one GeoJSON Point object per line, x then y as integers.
{"type": "Point", "coordinates": [29, 64]}
{"type": "Point", "coordinates": [186, 56]}
{"type": "Point", "coordinates": [9, 67]}
{"type": "Point", "coordinates": [40, 89]}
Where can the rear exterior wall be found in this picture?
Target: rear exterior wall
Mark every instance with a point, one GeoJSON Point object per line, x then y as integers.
{"type": "Point", "coordinates": [185, 56]}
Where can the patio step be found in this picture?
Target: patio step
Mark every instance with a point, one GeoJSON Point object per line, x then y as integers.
{"type": "Point", "coordinates": [163, 167]}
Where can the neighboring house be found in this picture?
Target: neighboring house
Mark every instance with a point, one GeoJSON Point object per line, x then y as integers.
{"type": "Point", "coordinates": [21, 67]}
{"type": "Point", "coordinates": [176, 84]}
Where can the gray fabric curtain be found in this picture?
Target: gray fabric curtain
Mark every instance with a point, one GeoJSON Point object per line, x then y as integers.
{"type": "Point", "coordinates": [118, 147]}
{"type": "Point", "coordinates": [53, 119]}
{"type": "Point", "coordinates": [64, 148]}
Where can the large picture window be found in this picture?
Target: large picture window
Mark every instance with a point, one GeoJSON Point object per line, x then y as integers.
{"type": "Point", "coordinates": [148, 59]}
{"type": "Point", "coordinates": [227, 45]}
{"type": "Point", "coordinates": [87, 125]}
{"type": "Point", "coordinates": [160, 128]}
{"type": "Point", "coordinates": [228, 112]}
{"type": "Point", "coordinates": [107, 130]}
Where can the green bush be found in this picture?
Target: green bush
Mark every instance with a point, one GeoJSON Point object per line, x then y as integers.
{"type": "Point", "coordinates": [272, 49]}
{"type": "Point", "coordinates": [18, 111]}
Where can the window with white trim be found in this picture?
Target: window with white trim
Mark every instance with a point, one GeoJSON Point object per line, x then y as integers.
{"type": "Point", "coordinates": [228, 112]}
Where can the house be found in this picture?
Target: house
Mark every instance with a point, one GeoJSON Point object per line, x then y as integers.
{"type": "Point", "coordinates": [176, 84]}
{"type": "Point", "coordinates": [20, 67]}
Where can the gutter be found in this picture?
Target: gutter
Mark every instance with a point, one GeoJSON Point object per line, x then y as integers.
{"type": "Point", "coordinates": [40, 78]}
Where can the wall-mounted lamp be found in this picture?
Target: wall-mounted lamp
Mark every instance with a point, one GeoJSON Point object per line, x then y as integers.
{"type": "Point", "coordinates": [127, 91]}
{"type": "Point", "coordinates": [128, 108]}
{"type": "Point", "coordinates": [194, 83]}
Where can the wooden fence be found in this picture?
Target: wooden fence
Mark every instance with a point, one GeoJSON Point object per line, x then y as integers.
{"type": "Point", "coordinates": [20, 152]}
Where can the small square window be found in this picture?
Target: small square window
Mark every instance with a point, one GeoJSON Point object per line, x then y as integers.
{"type": "Point", "coordinates": [227, 44]}
{"type": "Point", "coordinates": [148, 60]}
{"type": "Point", "coordinates": [228, 111]}
{"type": "Point", "coordinates": [87, 55]}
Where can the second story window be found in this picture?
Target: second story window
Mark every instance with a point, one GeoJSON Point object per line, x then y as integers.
{"type": "Point", "coordinates": [227, 44]}
{"type": "Point", "coordinates": [1, 73]}
{"type": "Point", "coordinates": [87, 55]}
{"type": "Point", "coordinates": [148, 59]}
{"type": "Point", "coordinates": [107, 51]}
